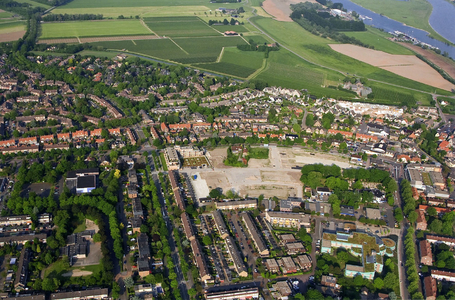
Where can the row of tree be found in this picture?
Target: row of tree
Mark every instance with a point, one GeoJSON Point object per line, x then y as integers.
{"type": "Point", "coordinates": [411, 272]}
{"type": "Point", "coordinates": [73, 17]}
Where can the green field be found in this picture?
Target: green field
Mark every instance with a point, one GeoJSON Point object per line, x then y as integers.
{"type": "Point", "coordinates": [379, 41]}
{"type": "Point", "coordinates": [195, 50]}
{"type": "Point", "coordinates": [131, 3]}
{"type": "Point", "coordinates": [390, 95]}
{"type": "Point", "coordinates": [450, 107]}
{"type": "Point", "coordinates": [12, 27]}
{"type": "Point", "coordinates": [236, 28]}
{"type": "Point", "coordinates": [316, 50]}
{"type": "Point", "coordinates": [92, 28]}
{"type": "Point", "coordinates": [34, 4]}
{"type": "Point", "coordinates": [178, 27]}
{"type": "Point", "coordinates": [415, 13]}
{"type": "Point", "coordinates": [236, 63]}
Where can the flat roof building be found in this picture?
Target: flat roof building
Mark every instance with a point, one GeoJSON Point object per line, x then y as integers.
{"type": "Point", "coordinates": [286, 219]}
{"type": "Point", "coordinates": [233, 293]}
{"type": "Point", "coordinates": [172, 159]}
{"type": "Point", "coordinates": [241, 204]}
{"type": "Point", "coordinates": [81, 295]}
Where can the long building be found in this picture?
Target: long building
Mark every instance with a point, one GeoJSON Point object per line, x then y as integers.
{"type": "Point", "coordinates": [231, 205]}
{"type": "Point", "coordinates": [172, 159]}
{"type": "Point", "coordinates": [187, 227]}
{"type": "Point", "coordinates": [255, 235]}
{"type": "Point", "coordinates": [236, 257]}
{"type": "Point", "coordinates": [175, 188]}
{"type": "Point", "coordinates": [24, 219]}
{"type": "Point", "coordinates": [286, 219]}
{"type": "Point", "coordinates": [200, 260]}
{"type": "Point", "coordinates": [233, 293]}
{"type": "Point", "coordinates": [434, 239]}
{"type": "Point", "coordinates": [220, 225]}
{"type": "Point", "coordinates": [443, 275]}
{"type": "Point", "coordinates": [81, 295]}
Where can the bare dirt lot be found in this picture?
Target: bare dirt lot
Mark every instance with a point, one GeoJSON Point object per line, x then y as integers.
{"type": "Point", "coordinates": [281, 9]}
{"type": "Point", "coordinates": [12, 36]}
{"type": "Point", "coordinates": [408, 66]}
{"type": "Point", "coordinates": [444, 63]}
{"type": "Point", "coordinates": [98, 39]}
{"type": "Point", "coordinates": [269, 177]}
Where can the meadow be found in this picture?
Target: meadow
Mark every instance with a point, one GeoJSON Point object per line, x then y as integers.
{"type": "Point", "coordinates": [182, 50]}
{"type": "Point", "coordinates": [415, 13]}
{"type": "Point", "coordinates": [34, 4]}
{"type": "Point", "coordinates": [378, 39]}
{"type": "Point", "coordinates": [180, 27]}
{"type": "Point", "coordinates": [12, 27]}
{"type": "Point", "coordinates": [236, 63]}
{"type": "Point", "coordinates": [92, 28]}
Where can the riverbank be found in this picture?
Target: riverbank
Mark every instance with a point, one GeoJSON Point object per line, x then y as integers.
{"type": "Point", "coordinates": [414, 13]}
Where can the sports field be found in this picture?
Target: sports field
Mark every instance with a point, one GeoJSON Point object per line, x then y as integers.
{"type": "Point", "coordinates": [180, 27]}
{"type": "Point", "coordinates": [93, 28]}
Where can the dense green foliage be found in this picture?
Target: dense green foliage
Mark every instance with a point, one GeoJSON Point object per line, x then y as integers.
{"type": "Point", "coordinates": [411, 272]}
{"type": "Point", "coordinates": [67, 17]}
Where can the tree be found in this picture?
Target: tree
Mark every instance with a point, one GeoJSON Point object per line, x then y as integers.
{"type": "Point", "coordinates": [215, 194]}
{"type": "Point", "coordinates": [129, 282]}
{"type": "Point", "coordinates": [378, 283]}
{"type": "Point", "coordinates": [207, 240]}
{"type": "Point", "coordinates": [432, 212]}
{"type": "Point", "coordinates": [435, 226]}
{"type": "Point", "coordinates": [364, 157]}
{"type": "Point", "coordinates": [412, 216]}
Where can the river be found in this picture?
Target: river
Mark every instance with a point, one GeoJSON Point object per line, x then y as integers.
{"type": "Point", "coordinates": [442, 20]}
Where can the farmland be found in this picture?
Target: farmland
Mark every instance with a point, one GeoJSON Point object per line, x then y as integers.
{"type": "Point", "coordinates": [12, 31]}
{"type": "Point", "coordinates": [237, 63]}
{"type": "Point", "coordinates": [180, 27]}
{"type": "Point", "coordinates": [34, 4]}
{"type": "Point", "coordinates": [92, 28]}
{"type": "Point", "coordinates": [379, 41]}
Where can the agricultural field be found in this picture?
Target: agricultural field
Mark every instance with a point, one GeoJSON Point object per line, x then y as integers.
{"type": "Point", "coordinates": [236, 63]}
{"type": "Point", "coordinates": [34, 4]}
{"type": "Point", "coordinates": [92, 28]}
{"type": "Point", "coordinates": [390, 95]}
{"type": "Point", "coordinates": [12, 31]}
{"type": "Point", "coordinates": [182, 50]}
{"type": "Point", "coordinates": [317, 51]}
{"type": "Point", "coordinates": [379, 41]}
{"type": "Point", "coordinates": [180, 27]}
{"type": "Point", "coordinates": [415, 13]}
{"type": "Point", "coordinates": [236, 28]}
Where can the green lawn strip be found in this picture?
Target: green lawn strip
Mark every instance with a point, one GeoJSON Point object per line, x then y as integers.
{"type": "Point", "coordinates": [93, 29]}
{"type": "Point", "coordinates": [163, 161]}
{"type": "Point", "coordinates": [236, 28]}
{"type": "Point", "coordinates": [131, 3]}
{"type": "Point", "coordinates": [415, 13]}
{"type": "Point", "coordinates": [379, 41]}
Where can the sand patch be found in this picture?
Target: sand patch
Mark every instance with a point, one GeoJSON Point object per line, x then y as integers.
{"type": "Point", "coordinates": [281, 9]}
{"type": "Point", "coordinates": [408, 66]}
{"type": "Point", "coordinates": [444, 63]}
{"type": "Point", "coordinates": [76, 273]}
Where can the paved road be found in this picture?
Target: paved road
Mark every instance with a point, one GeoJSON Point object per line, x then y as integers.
{"type": "Point", "coordinates": [174, 252]}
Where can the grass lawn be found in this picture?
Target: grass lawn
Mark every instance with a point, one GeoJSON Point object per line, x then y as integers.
{"type": "Point", "coordinates": [5, 14]}
{"type": "Point", "coordinates": [163, 161]}
{"type": "Point", "coordinates": [131, 3]}
{"type": "Point", "coordinates": [426, 179]}
{"type": "Point", "coordinates": [101, 54]}
{"type": "Point", "coordinates": [236, 63]}
{"type": "Point", "coordinates": [450, 107]}
{"type": "Point", "coordinates": [379, 41]}
{"type": "Point", "coordinates": [92, 28]}
{"type": "Point", "coordinates": [177, 27]}
{"type": "Point", "coordinates": [258, 153]}
{"type": "Point", "coordinates": [81, 227]}
{"type": "Point", "coordinates": [415, 13]}
{"type": "Point", "coordinates": [57, 269]}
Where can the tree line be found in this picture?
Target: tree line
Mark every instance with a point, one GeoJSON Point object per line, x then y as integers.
{"type": "Point", "coordinates": [73, 17]}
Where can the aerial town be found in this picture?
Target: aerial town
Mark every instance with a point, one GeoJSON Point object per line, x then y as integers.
{"type": "Point", "coordinates": [182, 185]}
